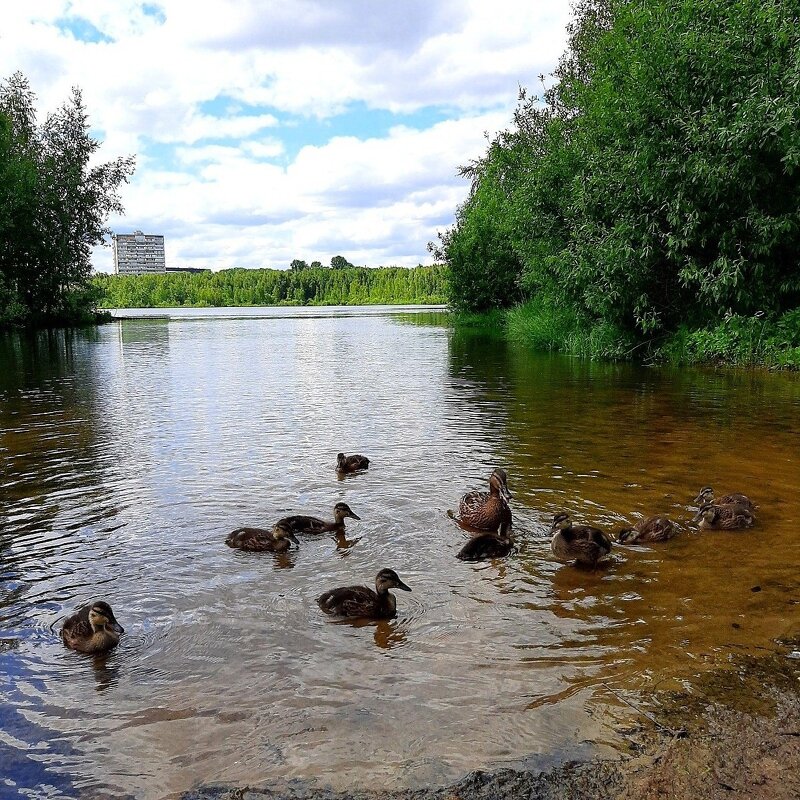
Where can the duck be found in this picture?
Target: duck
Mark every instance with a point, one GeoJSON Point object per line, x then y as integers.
{"type": "Point", "coordinates": [486, 511]}
{"type": "Point", "coordinates": [302, 524]}
{"type": "Point", "coordinates": [361, 601]}
{"type": "Point", "coordinates": [580, 543]}
{"type": "Point", "coordinates": [727, 517]}
{"type": "Point", "coordinates": [259, 540]}
{"type": "Point", "coordinates": [93, 629]}
{"type": "Point", "coordinates": [706, 496]}
{"type": "Point", "coordinates": [652, 529]}
{"type": "Point", "coordinates": [352, 463]}
{"type": "Point", "coordinates": [488, 545]}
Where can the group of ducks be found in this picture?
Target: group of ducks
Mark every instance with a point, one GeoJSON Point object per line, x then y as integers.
{"type": "Point", "coordinates": [485, 515]}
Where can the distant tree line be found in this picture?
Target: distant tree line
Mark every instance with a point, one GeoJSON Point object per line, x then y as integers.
{"type": "Point", "coordinates": [258, 287]}
{"type": "Point", "coordinates": [337, 262]}
{"type": "Point", "coordinates": [654, 185]}
{"type": "Point", "coordinates": [53, 208]}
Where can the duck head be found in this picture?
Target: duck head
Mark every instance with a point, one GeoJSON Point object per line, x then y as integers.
{"type": "Point", "coordinates": [101, 616]}
{"type": "Point", "coordinates": [498, 483]}
{"type": "Point", "coordinates": [388, 579]}
{"type": "Point", "coordinates": [705, 495]}
{"type": "Point", "coordinates": [342, 510]}
{"type": "Point", "coordinates": [560, 521]}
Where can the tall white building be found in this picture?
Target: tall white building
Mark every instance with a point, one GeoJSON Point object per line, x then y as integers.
{"type": "Point", "coordinates": [138, 253]}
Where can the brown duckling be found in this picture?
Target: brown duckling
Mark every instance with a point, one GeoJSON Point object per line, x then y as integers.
{"type": "Point", "coordinates": [259, 540]}
{"type": "Point", "coordinates": [302, 524]}
{"type": "Point", "coordinates": [652, 529]}
{"type": "Point", "coordinates": [352, 463]}
{"type": "Point", "coordinates": [706, 497]}
{"type": "Point", "coordinates": [360, 601]}
{"type": "Point", "coordinates": [580, 543]}
{"type": "Point", "coordinates": [486, 511]}
{"type": "Point", "coordinates": [724, 517]}
{"type": "Point", "coordinates": [488, 545]}
{"type": "Point", "coordinates": [93, 629]}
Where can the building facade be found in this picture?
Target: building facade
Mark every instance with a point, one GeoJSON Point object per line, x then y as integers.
{"type": "Point", "coordinates": [138, 253]}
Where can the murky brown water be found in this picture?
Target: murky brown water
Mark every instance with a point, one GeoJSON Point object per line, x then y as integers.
{"type": "Point", "coordinates": [128, 452]}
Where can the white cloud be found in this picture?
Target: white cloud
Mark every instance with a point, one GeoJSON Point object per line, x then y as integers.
{"type": "Point", "coordinates": [202, 92]}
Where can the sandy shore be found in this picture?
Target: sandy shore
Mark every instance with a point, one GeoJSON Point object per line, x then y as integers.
{"type": "Point", "coordinates": [736, 734]}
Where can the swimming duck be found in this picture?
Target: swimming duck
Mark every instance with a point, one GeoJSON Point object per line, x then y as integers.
{"type": "Point", "coordinates": [259, 540]}
{"type": "Point", "coordinates": [302, 524]}
{"type": "Point", "coordinates": [580, 543]}
{"type": "Point", "coordinates": [724, 517]}
{"type": "Point", "coordinates": [360, 601]}
{"type": "Point", "coordinates": [93, 629]}
{"type": "Point", "coordinates": [486, 511]}
{"type": "Point", "coordinates": [706, 496]}
{"type": "Point", "coordinates": [488, 545]}
{"type": "Point", "coordinates": [652, 529]}
{"type": "Point", "coordinates": [351, 463]}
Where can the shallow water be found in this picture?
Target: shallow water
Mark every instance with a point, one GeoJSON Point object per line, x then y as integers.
{"type": "Point", "coordinates": [128, 452]}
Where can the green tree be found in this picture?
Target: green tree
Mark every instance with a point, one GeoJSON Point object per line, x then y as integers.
{"type": "Point", "coordinates": [53, 207]}
{"type": "Point", "coordinates": [298, 264]}
{"type": "Point", "coordinates": [340, 262]}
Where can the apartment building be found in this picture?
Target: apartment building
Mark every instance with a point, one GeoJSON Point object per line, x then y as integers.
{"type": "Point", "coordinates": [138, 253]}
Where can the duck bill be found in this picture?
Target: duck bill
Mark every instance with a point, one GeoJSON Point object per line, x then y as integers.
{"type": "Point", "coordinates": [352, 515]}
{"type": "Point", "coordinates": [115, 626]}
{"type": "Point", "coordinates": [504, 491]}
{"type": "Point", "coordinates": [401, 585]}
{"type": "Point", "coordinates": [292, 538]}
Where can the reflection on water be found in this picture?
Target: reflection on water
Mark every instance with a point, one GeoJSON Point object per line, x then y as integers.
{"type": "Point", "coordinates": [130, 451]}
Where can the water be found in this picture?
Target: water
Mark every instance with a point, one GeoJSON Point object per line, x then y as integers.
{"type": "Point", "coordinates": [128, 452]}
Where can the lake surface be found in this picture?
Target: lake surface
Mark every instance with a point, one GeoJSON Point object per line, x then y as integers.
{"type": "Point", "coordinates": [129, 451]}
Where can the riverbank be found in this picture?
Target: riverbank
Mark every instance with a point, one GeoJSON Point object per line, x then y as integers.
{"type": "Point", "coordinates": [736, 341]}
{"type": "Point", "coordinates": [735, 734]}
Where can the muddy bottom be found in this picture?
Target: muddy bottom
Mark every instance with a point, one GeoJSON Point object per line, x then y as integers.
{"type": "Point", "coordinates": [736, 733]}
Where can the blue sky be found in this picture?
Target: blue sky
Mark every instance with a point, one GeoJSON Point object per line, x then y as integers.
{"type": "Point", "coordinates": [267, 131]}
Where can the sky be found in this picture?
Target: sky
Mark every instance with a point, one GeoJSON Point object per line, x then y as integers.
{"type": "Point", "coordinates": [266, 131]}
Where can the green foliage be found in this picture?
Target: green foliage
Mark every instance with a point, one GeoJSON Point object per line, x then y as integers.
{"type": "Point", "coordinates": [53, 208]}
{"type": "Point", "coordinates": [266, 287]}
{"type": "Point", "coordinates": [340, 262]}
{"type": "Point", "coordinates": [655, 184]}
{"type": "Point", "coordinates": [739, 340]}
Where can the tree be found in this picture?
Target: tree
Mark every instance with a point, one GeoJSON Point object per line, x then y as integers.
{"type": "Point", "coordinates": [298, 264]}
{"type": "Point", "coordinates": [316, 265]}
{"type": "Point", "coordinates": [53, 207]}
{"type": "Point", "coordinates": [340, 262]}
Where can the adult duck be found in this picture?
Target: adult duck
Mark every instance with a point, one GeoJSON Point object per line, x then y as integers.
{"type": "Point", "coordinates": [706, 497]}
{"type": "Point", "coordinates": [652, 529]}
{"type": "Point", "coordinates": [486, 511]}
{"type": "Point", "coordinates": [361, 601]}
{"type": "Point", "coordinates": [352, 463]}
{"type": "Point", "coordinates": [579, 543]}
{"type": "Point", "coordinates": [488, 545]}
{"type": "Point", "coordinates": [303, 524]}
{"type": "Point", "coordinates": [260, 540]}
{"type": "Point", "coordinates": [93, 629]}
{"type": "Point", "coordinates": [724, 517]}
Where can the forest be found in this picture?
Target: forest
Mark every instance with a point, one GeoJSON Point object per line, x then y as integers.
{"type": "Point", "coordinates": [259, 287]}
{"type": "Point", "coordinates": [647, 201]}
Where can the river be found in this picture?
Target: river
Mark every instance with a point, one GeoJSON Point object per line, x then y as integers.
{"type": "Point", "coordinates": [130, 450]}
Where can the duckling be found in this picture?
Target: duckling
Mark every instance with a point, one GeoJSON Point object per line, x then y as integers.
{"type": "Point", "coordinates": [302, 524]}
{"type": "Point", "coordinates": [351, 463]}
{"type": "Point", "coordinates": [706, 496]}
{"type": "Point", "coordinates": [360, 601]}
{"type": "Point", "coordinates": [724, 517]}
{"type": "Point", "coordinates": [258, 540]}
{"type": "Point", "coordinates": [93, 629]}
{"type": "Point", "coordinates": [486, 511]}
{"type": "Point", "coordinates": [652, 529]}
{"type": "Point", "coordinates": [488, 545]}
{"type": "Point", "coordinates": [580, 543]}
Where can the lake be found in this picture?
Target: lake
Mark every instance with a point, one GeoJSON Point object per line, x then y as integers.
{"type": "Point", "coordinates": [129, 451]}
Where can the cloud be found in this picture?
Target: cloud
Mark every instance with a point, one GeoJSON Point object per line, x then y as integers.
{"type": "Point", "coordinates": [226, 104]}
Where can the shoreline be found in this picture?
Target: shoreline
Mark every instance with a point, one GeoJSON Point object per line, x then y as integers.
{"type": "Point", "coordinates": [736, 734]}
